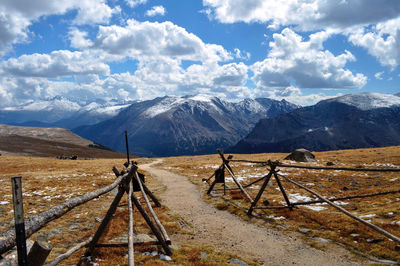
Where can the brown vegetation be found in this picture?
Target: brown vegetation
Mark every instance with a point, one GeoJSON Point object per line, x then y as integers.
{"type": "Point", "coordinates": [48, 182]}
{"type": "Point", "coordinates": [319, 221]}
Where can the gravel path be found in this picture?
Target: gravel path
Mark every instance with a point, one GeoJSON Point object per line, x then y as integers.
{"type": "Point", "coordinates": [231, 234]}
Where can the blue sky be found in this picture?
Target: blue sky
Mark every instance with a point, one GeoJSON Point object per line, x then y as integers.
{"type": "Point", "coordinates": [304, 51]}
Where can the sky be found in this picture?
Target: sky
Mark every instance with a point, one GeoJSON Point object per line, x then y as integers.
{"type": "Point", "coordinates": [301, 50]}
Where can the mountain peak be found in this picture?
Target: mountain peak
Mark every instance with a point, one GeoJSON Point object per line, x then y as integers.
{"type": "Point", "coordinates": [368, 100]}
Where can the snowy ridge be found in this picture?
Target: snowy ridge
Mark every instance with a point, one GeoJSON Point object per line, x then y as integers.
{"type": "Point", "coordinates": [202, 101]}
{"type": "Point", "coordinates": [368, 100]}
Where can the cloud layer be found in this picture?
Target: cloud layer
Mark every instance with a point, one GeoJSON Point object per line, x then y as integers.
{"type": "Point", "coordinates": [166, 58]}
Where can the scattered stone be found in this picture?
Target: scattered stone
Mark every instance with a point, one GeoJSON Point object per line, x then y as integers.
{"type": "Point", "coordinates": [330, 163]}
{"type": "Point", "coordinates": [55, 232]}
{"type": "Point", "coordinates": [355, 235]}
{"type": "Point", "coordinates": [321, 240]}
{"type": "Point", "coordinates": [203, 255]}
{"type": "Point", "coordinates": [301, 155]}
{"type": "Point", "coordinates": [266, 202]}
{"type": "Point", "coordinates": [354, 183]}
{"type": "Point", "coordinates": [304, 230]}
{"type": "Point", "coordinates": [237, 262]}
{"type": "Point", "coordinates": [73, 226]}
{"type": "Point", "coordinates": [216, 195]}
{"type": "Point", "coordinates": [375, 240]}
{"type": "Point", "coordinates": [97, 219]}
{"type": "Point", "coordinates": [165, 257]}
{"type": "Point", "coordinates": [154, 253]}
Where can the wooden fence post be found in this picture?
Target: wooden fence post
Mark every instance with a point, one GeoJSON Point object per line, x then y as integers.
{"type": "Point", "coordinates": [19, 220]}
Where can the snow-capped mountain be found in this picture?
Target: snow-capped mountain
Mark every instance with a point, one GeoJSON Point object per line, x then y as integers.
{"type": "Point", "coordinates": [368, 100]}
{"type": "Point", "coordinates": [60, 112]}
{"type": "Point", "coordinates": [182, 125]}
{"type": "Point", "coordinates": [351, 121]}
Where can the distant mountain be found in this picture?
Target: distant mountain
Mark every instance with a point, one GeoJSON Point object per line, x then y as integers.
{"type": "Point", "coordinates": [60, 112]}
{"type": "Point", "coordinates": [350, 121]}
{"type": "Point", "coordinates": [49, 142]}
{"type": "Point", "coordinates": [188, 125]}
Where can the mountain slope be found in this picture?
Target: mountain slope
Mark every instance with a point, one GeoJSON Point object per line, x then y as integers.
{"type": "Point", "coordinates": [351, 121]}
{"type": "Point", "coordinates": [47, 142]}
{"type": "Point", "coordinates": [182, 125]}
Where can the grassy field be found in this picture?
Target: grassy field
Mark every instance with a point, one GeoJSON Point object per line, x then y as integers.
{"type": "Point", "coordinates": [48, 182]}
{"type": "Point", "coordinates": [318, 223]}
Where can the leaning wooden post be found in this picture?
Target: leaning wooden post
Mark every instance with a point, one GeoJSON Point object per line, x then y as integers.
{"type": "Point", "coordinates": [264, 185]}
{"type": "Point", "coordinates": [376, 228]}
{"type": "Point", "coordinates": [229, 169]}
{"type": "Point", "coordinates": [127, 147]}
{"type": "Point", "coordinates": [19, 220]}
{"type": "Point", "coordinates": [166, 239]}
{"type": "Point", "coordinates": [283, 191]}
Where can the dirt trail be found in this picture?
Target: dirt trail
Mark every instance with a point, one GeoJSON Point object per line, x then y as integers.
{"type": "Point", "coordinates": [229, 233]}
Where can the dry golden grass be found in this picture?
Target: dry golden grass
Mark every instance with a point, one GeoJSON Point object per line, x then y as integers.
{"type": "Point", "coordinates": [327, 223]}
{"type": "Point", "coordinates": [48, 182]}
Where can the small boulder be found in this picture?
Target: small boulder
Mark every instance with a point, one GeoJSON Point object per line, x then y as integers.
{"type": "Point", "coordinates": [301, 155]}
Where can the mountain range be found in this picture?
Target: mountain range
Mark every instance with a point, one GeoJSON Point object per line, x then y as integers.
{"type": "Point", "coordinates": [189, 125]}
{"type": "Point", "coordinates": [61, 112]}
{"type": "Point", "coordinates": [351, 121]}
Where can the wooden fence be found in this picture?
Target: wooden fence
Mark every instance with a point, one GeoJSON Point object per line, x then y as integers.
{"type": "Point", "coordinates": [219, 177]}
{"type": "Point", "coordinates": [128, 182]}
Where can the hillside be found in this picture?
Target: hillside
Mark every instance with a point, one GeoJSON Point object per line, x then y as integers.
{"type": "Point", "coordinates": [49, 142]}
{"type": "Point", "coordinates": [351, 121]}
{"type": "Point", "coordinates": [182, 125]}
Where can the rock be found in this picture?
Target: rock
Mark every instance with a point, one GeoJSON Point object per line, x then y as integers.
{"type": "Point", "coordinates": [143, 238]}
{"type": "Point", "coordinates": [237, 262]}
{"type": "Point", "coordinates": [301, 155]}
{"type": "Point", "coordinates": [73, 226]}
{"type": "Point", "coordinates": [321, 240]}
{"type": "Point", "coordinates": [154, 253]}
{"type": "Point", "coordinates": [203, 255]}
{"type": "Point", "coordinates": [355, 235]}
{"type": "Point", "coordinates": [97, 219]}
{"type": "Point", "coordinates": [304, 230]}
{"type": "Point", "coordinates": [165, 257]}
{"type": "Point", "coordinates": [375, 240]}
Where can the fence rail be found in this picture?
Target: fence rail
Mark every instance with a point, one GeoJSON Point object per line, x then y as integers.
{"type": "Point", "coordinates": [273, 172]}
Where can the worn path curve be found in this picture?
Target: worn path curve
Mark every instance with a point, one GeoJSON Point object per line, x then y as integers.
{"type": "Point", "coordinates": [231, 234]}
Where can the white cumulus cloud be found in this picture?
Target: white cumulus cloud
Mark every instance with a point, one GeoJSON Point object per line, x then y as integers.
{"type": "Point", "coordinates": [305, 14]}
{"type": "Point", "coordinates": [17, 15]}
{"type": "Point", "coordinates": [156, 11]}
{"type": "Point", "coordinates": [306, 63]}
{"type": "Point", "coordinates": [56, 64]}
{"type": "Point", "coordinates": [153, 39]}
{"type": "Point", "coordinates": [381, 41]}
